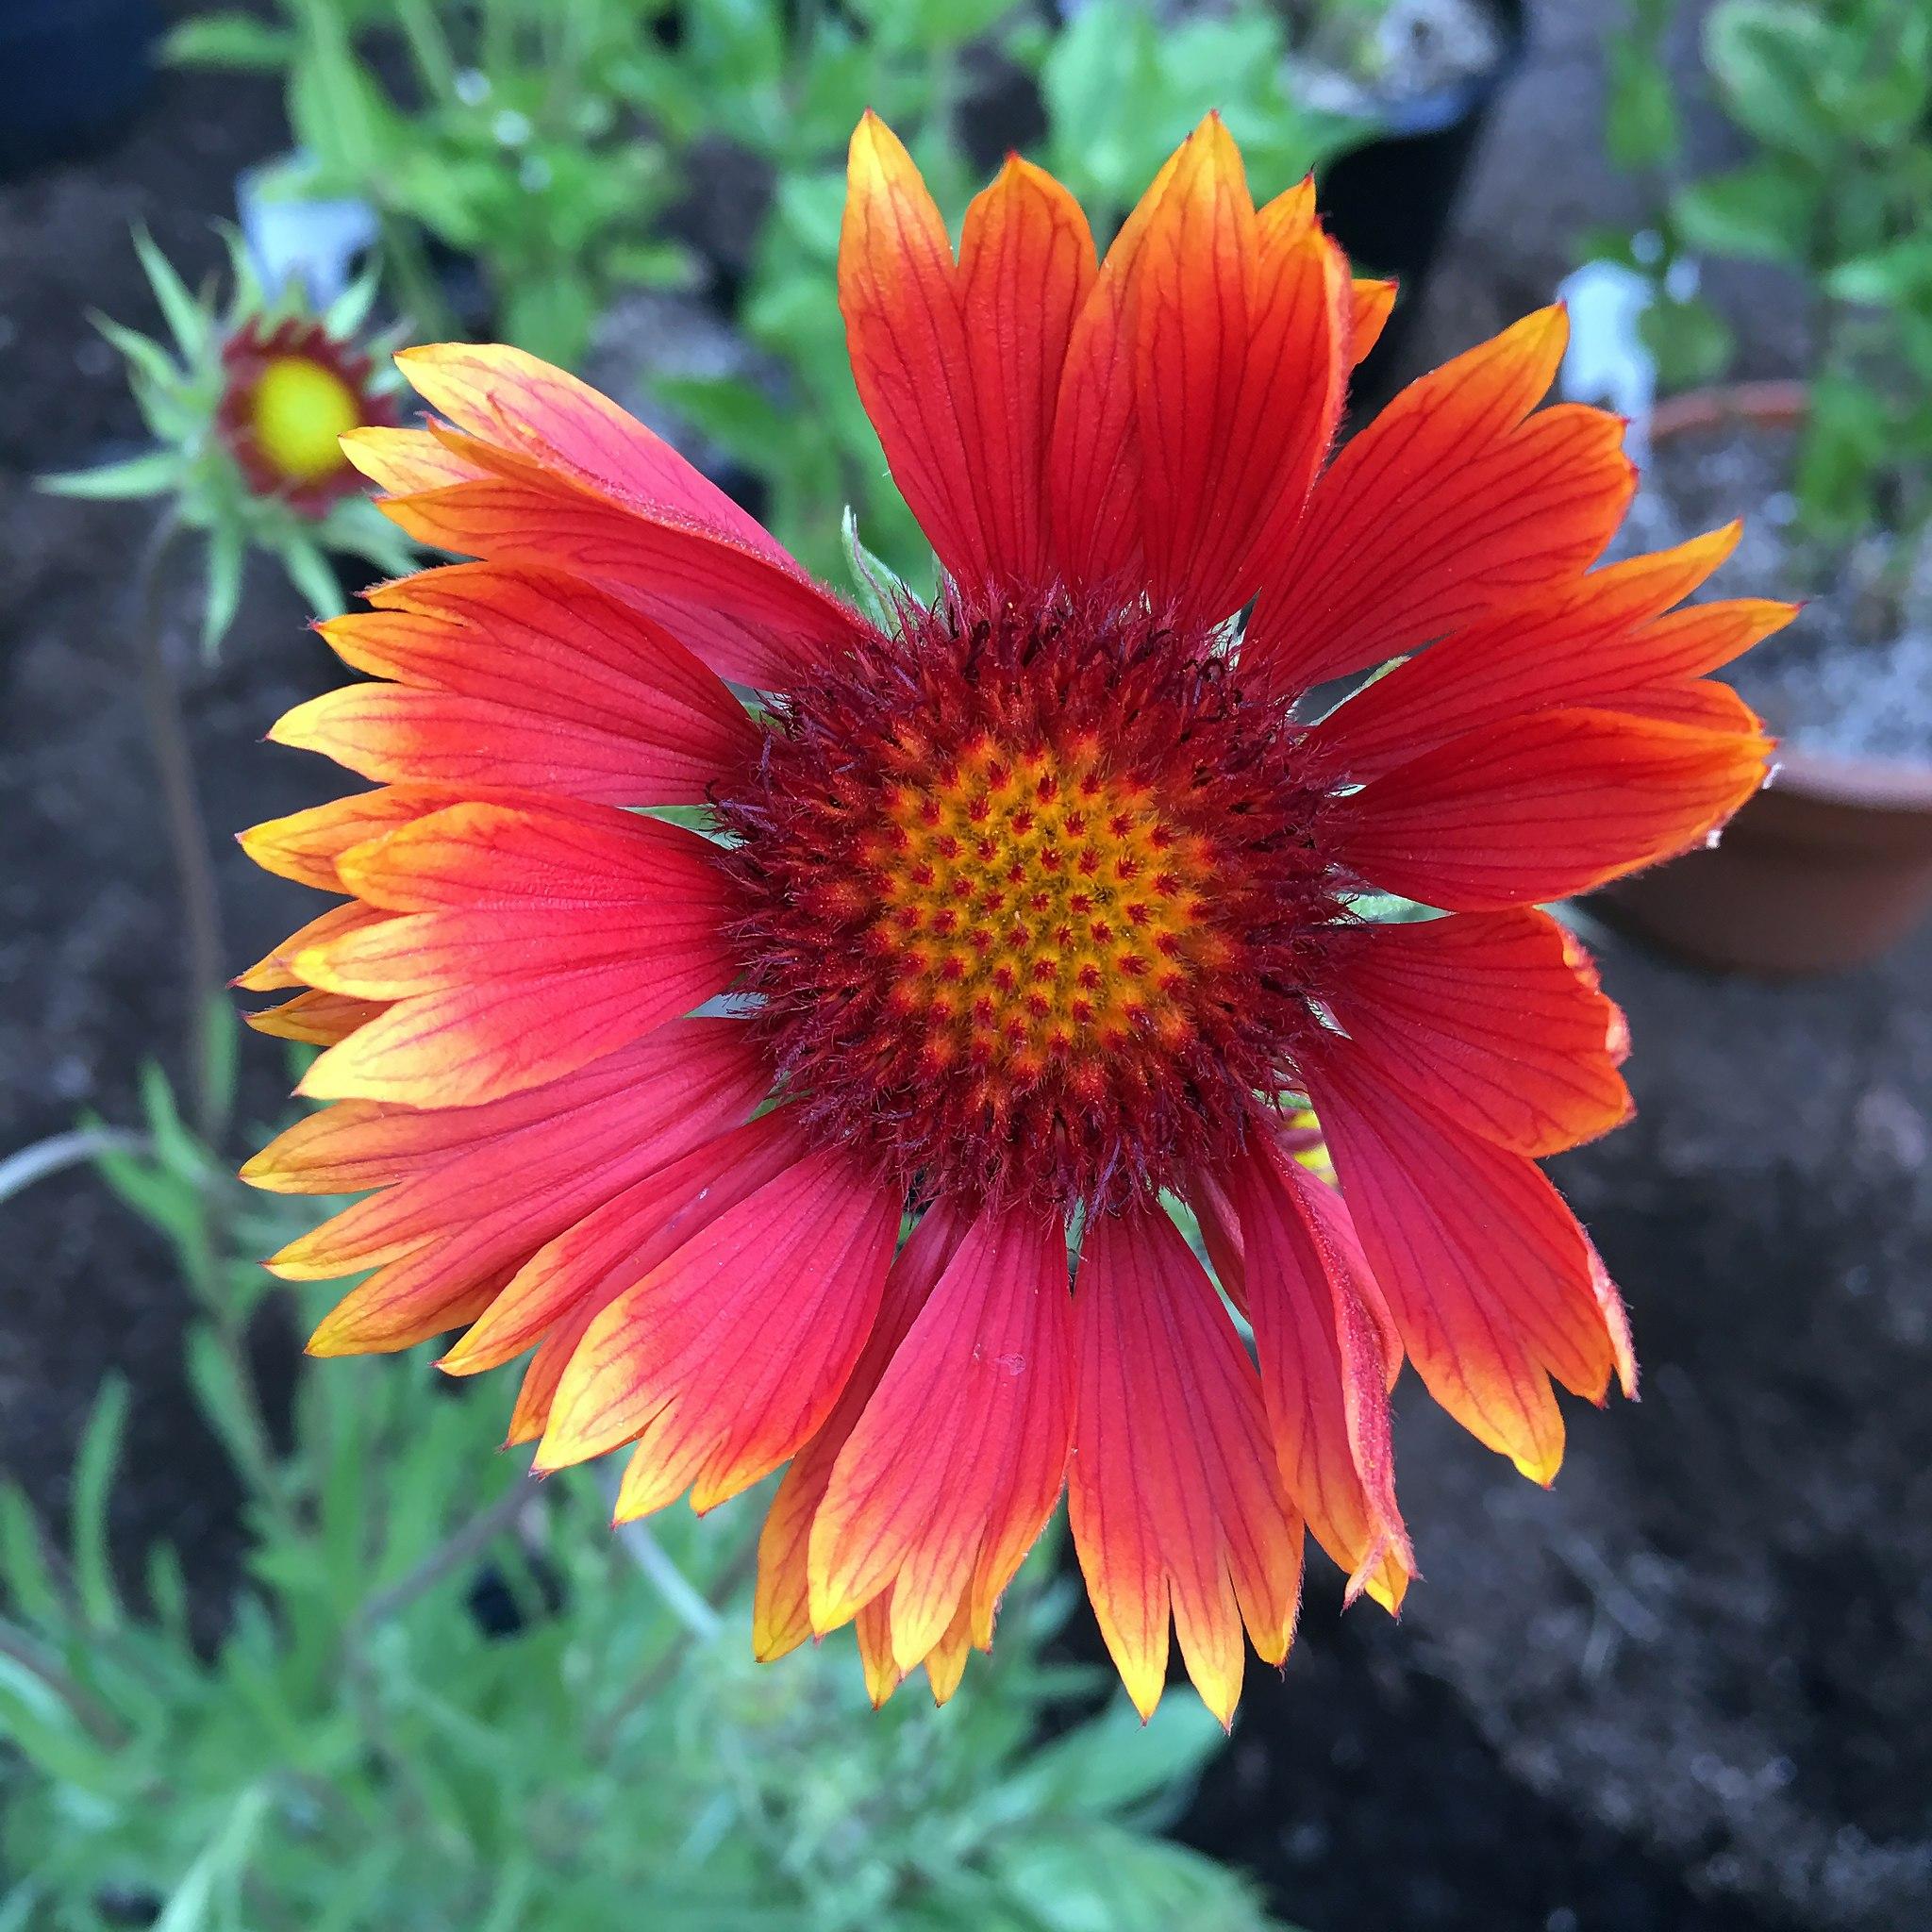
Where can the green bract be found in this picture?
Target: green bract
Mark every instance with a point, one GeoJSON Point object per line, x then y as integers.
{"type": "Point", "coordinates": [178, 385]}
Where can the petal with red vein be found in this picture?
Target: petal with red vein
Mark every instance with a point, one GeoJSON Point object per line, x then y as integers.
{"type": "Point", "coordinates": [1540, 806]}
{"type": "Point", "coordinates": [908, 343]}
{"type": "Point", "coordinates": [1025, 266]}
{"type": "Point", "coordinates": [781, 1615]}
{"type": "Point", "coordinates": [359, 1144]}
{"type": "Point", "coordinates": [1705, 704]}
{"type": "Point", "coordinates": [1485, 1271]}
{"type": "Point", "coordinates": [1370, 304]}
{"type": "Point", "coordinates": [616, 1244]}
{"type": "Point", "coordinates": [395, 734]}
{"type": "Point", "coordinates": [1239, 362]}
{"type": "Point", "coordinates": [1322, 1371]}
{"type": "Point", "coordinates": [561, 1183]}
{"type": "Point", "coordinates": [404, 462]}
{"type": "Point", "coordinates": [727, 1356]}
{"type": "Point", "coordinates": [511, 398]}
{"type": "Point", "coordinates": [976, 1397]}
{"type": "Point", "coordinates": [1093, 463]}
{"type": "Point", "coordinates": [305, 845]}
{"type": "Point", "coordinates": [1447, 504]}
{"type": "Point", "coordinates": [273, 972]}
{"type": "Point", "coordinates": [535, 938]}
{"type": "Point", "coordinates": [1573, 642]}
{"type": "Point", "coordinates": [1174, 1494]}
{"type": "Point", "coordinates": [747, 615]}
{"type": "Point", "coordinates": [1485, 1017]}
{"type": "Point", "coordinates": [315, 1018]}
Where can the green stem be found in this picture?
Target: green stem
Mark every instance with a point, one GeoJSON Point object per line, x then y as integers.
{"type": "Point", "coordinates": [463, 1544]}
{"type": "Point", "coordinates": [187, 830]}
{"type": "Point", "coordinates": [424, 312]}
{"type": "Point", "coordinates": [95, 1717]}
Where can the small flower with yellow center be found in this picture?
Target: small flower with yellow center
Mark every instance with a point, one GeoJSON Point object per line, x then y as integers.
{"type": "Point", "coordinates": [293, 391]}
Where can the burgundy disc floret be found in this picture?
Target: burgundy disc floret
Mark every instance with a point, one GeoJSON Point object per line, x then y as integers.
{"type": "Point", "coordinates": [1035, 897]}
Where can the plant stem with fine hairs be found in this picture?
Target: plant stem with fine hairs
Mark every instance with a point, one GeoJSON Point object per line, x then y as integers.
{"type": "Point", "coordinates": [186, 829]}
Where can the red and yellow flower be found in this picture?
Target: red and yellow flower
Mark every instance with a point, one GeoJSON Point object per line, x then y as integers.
{"type": "Point", "coordinates": [1038, 909]}
{"type": "Point", "coordinates": [291, 392]}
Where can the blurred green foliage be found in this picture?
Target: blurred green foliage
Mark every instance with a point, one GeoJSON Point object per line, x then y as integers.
{"type": "Point", "coordinates": [445, 1698]}
{"type": "Point", "coordinates": [504, 131]}
{"type": "Point", "coordinates": [1832, 105]}
{"type": "Point", "coordinates": [546, 139]}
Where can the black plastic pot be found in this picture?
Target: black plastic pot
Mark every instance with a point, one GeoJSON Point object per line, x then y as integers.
{"type": "Point", "coordinates": [1389, 202]}
{"type": "Point", "coordinates": [70, 73]}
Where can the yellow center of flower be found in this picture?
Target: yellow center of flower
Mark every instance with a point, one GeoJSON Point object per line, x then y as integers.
{"type": "Point", "coordinates": [300, 411]}
{"type": "Point", "coordinates": [1035, 910]}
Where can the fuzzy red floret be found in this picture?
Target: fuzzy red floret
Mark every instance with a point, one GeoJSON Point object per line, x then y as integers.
{"type": "Point", "coordinates": [1034, 898]}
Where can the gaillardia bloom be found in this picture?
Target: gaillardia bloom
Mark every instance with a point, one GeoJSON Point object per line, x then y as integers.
{"type": "Point", "coordinates": [291, 392]}
{"type": "Point", "coordinates": [1037, 911]}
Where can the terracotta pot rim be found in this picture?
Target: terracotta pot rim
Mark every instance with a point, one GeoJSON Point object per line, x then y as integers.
{"type": "Point", "coordinates": [1771, 405]}
{"type": "Point", "coordinates": [1899, 785]}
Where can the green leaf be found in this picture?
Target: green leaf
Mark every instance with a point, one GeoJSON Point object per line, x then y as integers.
{"type": "Point", "coordinates": [1763, 212]}
{"type": "Point", "coordinates": [93, 1478]}
{"type": "Point", "coordinates": [308, 571]}
{"type": "Point", "coordinates": [1115, 1762]}
{"type": "Point", "coordinates": [32, 1595]}
{"type": "Point", "coordinates": [1768, 58]}
{"type": "Point", "coordinates": [651, 265]}
{"type": "Point", "coordinates": [551, 315]}
{"type": "Point", "coordinates": [881, 590]}
{"type": "Point", "coordinates": [1847, 441]}
{"type": "Point", "coordinates": [221, 599]}
{"type": "Point", "coordinates": [1898, 276]}
{"type": "Point", "coordinates": [1640, 123]}
{"type": "Point", "coordinates": [339, 112]}
{"type": "Point", "coordinates": [1689, 341]}
{"type": "Point", "coordinates": [186, 318]}
{"type": "Point", "coordinates": [152, 475]}
{"type": "Point", "coordinates": [144, 356]}
{"type": "Point", "coordinates": [229, 39]}
{"type": "Point", "coordinates": [737, 415]}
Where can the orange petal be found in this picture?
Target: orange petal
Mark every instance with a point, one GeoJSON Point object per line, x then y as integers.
{"type": "Point", "coordinates": [1322, 1369]}
{"type": "Point", "coordinates": [1174, 1494]}
{"type": "Point", "coordinates": [508, 397]}
{"type": "Point", "coordinates": [728, 1355]}
{"type": "Point", "coordinates": [1540, 806]}
{"type": "Point", "coordinates": [273, 973]}
{"type": "Point", "coordinates": [1240, 363]}
{"type": "Point", "coordinates": [977, 1394]}
{"type": "Point", "coordinates": [1487, 1272]}
{"type": "Point", "coordinates": [1575, 642]}
{"type": "Point", "coordinates": [615, 1245]}
{"type": "Point", "coordinates": [315, 1018]}
{"type": "Point", "coordinates": [1093, 465]}
{"type": "Point", "coordinates": [1026, 264]}
{"type": "Point", "coordinates": [1446, 506]}
{"type": "Point", "coordinates": [1485, 1017]}
{"type": "Point", "coordinates": [781, 1614]}
{"type": "Point", "coordinates": [1371, 303]}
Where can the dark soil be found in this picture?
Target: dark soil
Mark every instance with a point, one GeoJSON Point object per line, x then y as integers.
{"type": "Point", "coordinates": [1687, 1690]}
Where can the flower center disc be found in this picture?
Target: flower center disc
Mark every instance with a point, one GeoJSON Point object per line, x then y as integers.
{"type": "Point", "coordinates": [1032, 901]}
{"type": "Point", "coordinates": [301, 412]}
{"type": "Point", "coordinates": [1037, 913]}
